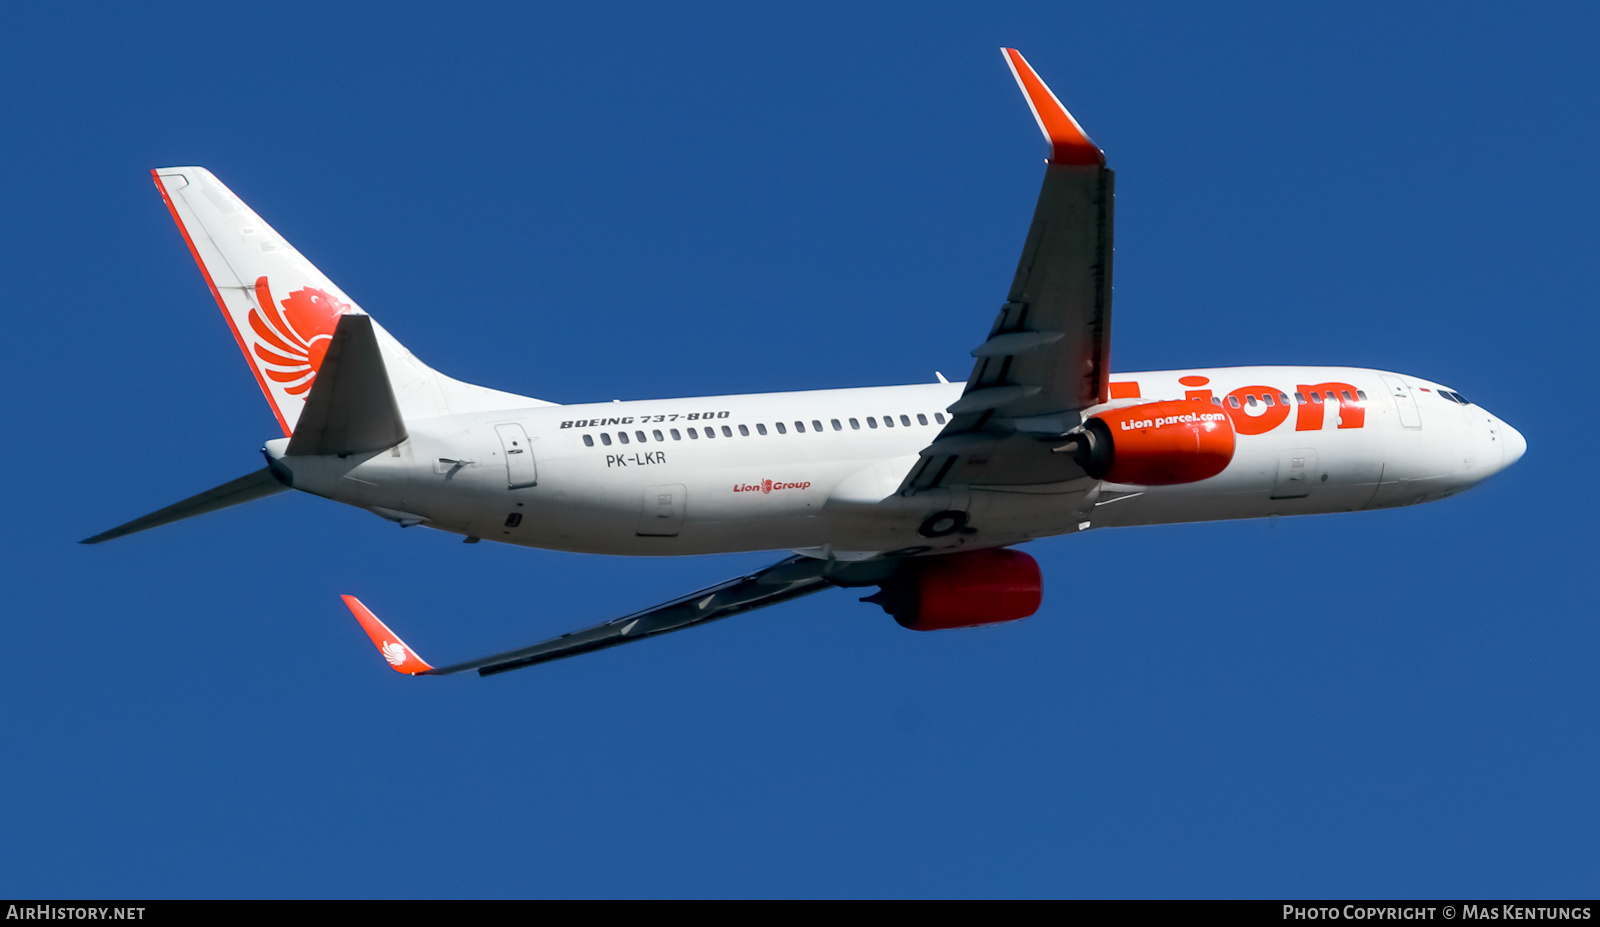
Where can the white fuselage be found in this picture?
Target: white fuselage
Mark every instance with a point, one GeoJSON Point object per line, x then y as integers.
{"type": "Point", "coordinates": [754, 472]}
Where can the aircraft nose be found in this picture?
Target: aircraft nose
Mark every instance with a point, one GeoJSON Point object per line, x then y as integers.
{"type": "Point", "coordinates": [1513, 445]}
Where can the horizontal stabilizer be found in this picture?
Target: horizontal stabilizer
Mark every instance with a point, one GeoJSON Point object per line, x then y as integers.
{"type": "Point", "coordinates": [351, 407]}
{"type": "Point", "coordinates": [244, 489]}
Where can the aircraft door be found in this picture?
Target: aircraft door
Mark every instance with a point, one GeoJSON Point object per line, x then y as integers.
{"type": "Point", "coordinates": [661, 514]}
{"type": "Point", "coordinates": [521, 469]}
{"type": "Point", "coordinates": [1404, 401]}
{"type": "Point", "coordinates": [1297, 473]}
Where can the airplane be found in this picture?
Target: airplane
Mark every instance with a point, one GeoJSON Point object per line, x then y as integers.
{"type": "Point", "coordinates": [922, 491]}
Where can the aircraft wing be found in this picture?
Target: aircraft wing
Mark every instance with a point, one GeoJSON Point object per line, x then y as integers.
{"type": "Point", "coordinates": [1047, 352]}
{"type": "Point", "coordinates": [785, 580]}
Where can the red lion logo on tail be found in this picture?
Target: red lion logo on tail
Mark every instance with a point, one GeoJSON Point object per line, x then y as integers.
{"type": "Point", "coordinates": [293, 341]}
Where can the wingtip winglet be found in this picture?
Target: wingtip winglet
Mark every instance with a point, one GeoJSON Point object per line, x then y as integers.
{"type": "Point", "coordinates": [394, 650]}
{"type": "Point", "coordinates": [1069, 144]}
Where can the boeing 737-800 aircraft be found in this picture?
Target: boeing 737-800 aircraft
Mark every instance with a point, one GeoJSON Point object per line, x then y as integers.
{"type": "Point", "coordinates": [920, 491]}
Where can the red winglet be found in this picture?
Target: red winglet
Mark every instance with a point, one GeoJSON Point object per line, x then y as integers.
{"type": "Point", "coordinates": [1069, 144]}
{"type": "Point", "coordinates": [401, 657]}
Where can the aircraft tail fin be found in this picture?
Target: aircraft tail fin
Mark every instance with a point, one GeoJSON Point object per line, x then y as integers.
{"type": "Point", "coordinates": [283, 310]}
{"type": "Point", "coordinates": [257, 485]}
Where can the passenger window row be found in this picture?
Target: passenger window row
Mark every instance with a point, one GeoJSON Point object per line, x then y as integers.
{"type": "Point", "coordinates": [710, 431]}
{"type": "Point", "coordinates": [1268, 399]}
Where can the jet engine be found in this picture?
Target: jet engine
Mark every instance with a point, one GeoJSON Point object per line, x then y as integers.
{"type": "Point", "coordinates": [1154, 443]}
{"type": "Point", "coordinates": [962, 590]}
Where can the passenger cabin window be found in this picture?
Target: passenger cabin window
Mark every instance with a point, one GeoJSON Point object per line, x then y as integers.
{"type": "Point", "coordinates": [1250, 400]}
{"type": "Point", "coordinates": [1361, 394]}
{"type": "Point", "coordinates": [855, 425]}
{"type": "Point", "coordinates": [799, 427]}
{"type": "Point", "coordinates": [871, 422]}
{"type": "Point", "coordinates": [743, 430]}
{"type": "Point", "coordinates": [657, 433]}
{"type": "Point", "coordinates": [888, 421]}
{"type": "Point", "coordinates": [1299, 397]}
{"type": "Point", "coordinates": [837, 426]}
{"type": "Point", "coordinates": [1283, 398]}
{"type": "Point", "coordinates": [676, 435]}
{"type": "Point", "coordinates": [938, 417]}
{"type": "Point", "coordinates": [1346, 394]}
{"type": "Point", "coordinates": [588, 441]}
{"type": "Point", "coordinates": [762, 429]}
{"type": "Point", "coordinates": [1316, 398]}
{"type": "Point", "coordinates": [640, 436]}
{"type": "Point", "coordinates": [1233, 401]}
{"type": "Point", "coordinates": [728, 432]}
{"type": "Point", "coordinates": [921, 419]}
{"type": "Point", "coordinates": [817, 425]}
{"type": "Point", "coordinates": [1267, 398]}
{"type": "Point", "coordinates": [782, 430]}
{"type": "Point", "coordinates": [605, 438]}
{"type": "Point", "coordinates": [622, 436]}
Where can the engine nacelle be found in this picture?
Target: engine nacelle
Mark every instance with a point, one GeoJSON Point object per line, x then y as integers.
{"type": "Point", "coordinates": [962, 590]}
{"type": "Point", "coordinates": [1155, 443]}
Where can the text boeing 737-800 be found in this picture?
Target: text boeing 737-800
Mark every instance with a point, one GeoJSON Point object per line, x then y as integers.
{"type": "Point", "coordinates": [920, 491]}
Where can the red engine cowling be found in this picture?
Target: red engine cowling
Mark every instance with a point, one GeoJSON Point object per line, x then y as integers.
{"type": "Point", "coordinates": [1155, 443]}
{"type": "Point", "coordinates": [962, 590]}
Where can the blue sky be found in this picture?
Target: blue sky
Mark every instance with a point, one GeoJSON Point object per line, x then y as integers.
{"type": "Point", "coordinates": [584, 203]}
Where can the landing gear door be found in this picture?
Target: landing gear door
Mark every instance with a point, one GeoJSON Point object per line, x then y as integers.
{"type": "Point", "coordinates": [1297, 469]}
{"type": "Point", "coordinates": [661, 514]}
{"type": "Point", "coordinates": [521, 469]}
{"type": "Point", "coordinates": [1404, 400]}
